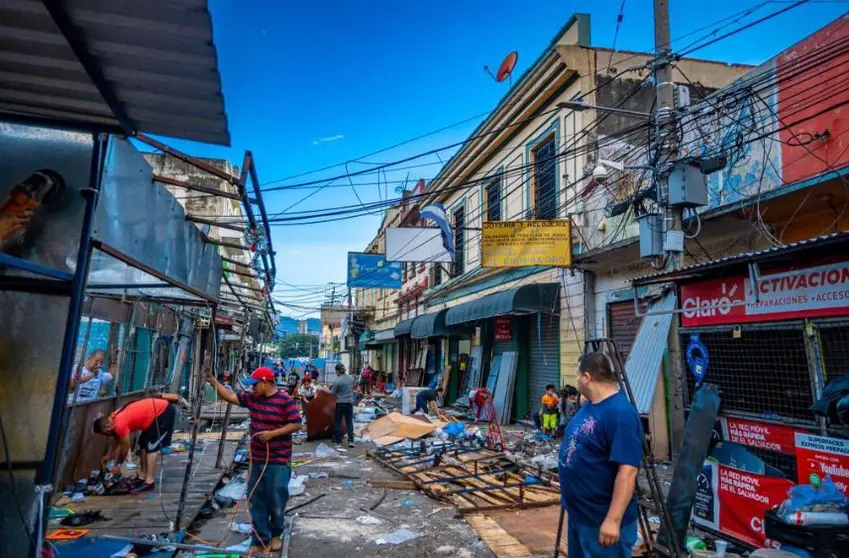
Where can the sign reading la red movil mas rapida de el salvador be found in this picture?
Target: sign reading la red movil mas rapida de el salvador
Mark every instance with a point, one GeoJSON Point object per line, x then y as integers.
{"type": "Point", "coordinates": [817, 291]}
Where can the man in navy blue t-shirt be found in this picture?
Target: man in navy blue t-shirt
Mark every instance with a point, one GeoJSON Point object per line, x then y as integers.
{"type": "Point", "coordinates": [599, 461]}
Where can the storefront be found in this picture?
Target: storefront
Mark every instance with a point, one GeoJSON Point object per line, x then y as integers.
{"type": "Point", "coordinates": [436, 339]}
{"type": "Point", "coordinates": [383, 355]}
{"type": "Point", "coordinates": [407, 361]}
{"type": "Point", "coordinates": [771, 330]}
{"type": "Point", "coordinates": [520, 324]}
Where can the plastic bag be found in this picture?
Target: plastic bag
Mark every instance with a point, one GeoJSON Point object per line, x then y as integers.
{"type": "Point", "coordinates": [323, 450]}
{"type": "Point", "coordinates": [397, 537]}
{"type": "Point", "coordinates": [235, 489]}
{"type": "Point", "coordinates": [807, 498]}
{"type": "Point", "coordinates": [297, 485]}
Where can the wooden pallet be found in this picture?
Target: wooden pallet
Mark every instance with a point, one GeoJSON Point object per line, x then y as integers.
{"type": "Point", "coordinates": [473, 480]}
{"type": "Point", "coordinates": [502, 543]}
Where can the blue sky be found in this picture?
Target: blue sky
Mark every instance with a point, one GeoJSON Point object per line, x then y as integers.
{"type": "Point", "coordinates": [312, 84]}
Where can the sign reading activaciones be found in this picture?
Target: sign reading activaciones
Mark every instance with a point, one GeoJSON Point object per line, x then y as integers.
{"type": "Point", "coordinates": [526, 244]}
{"type": "Point", "coordinates": [817, 291]}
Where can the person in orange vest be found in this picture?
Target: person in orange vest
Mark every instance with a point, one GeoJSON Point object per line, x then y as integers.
{"type": "Point", "coordinates": [550, 410]}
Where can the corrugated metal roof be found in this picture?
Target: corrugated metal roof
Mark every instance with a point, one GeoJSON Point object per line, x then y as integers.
{"type": "Point", "coordinates": [823, 241]}
{"type": "Point", "coordinates": [643, 365]}
{"type": "Point", "coordinates": [157, 57]}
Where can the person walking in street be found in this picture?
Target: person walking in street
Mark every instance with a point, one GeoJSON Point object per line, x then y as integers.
{"type": "Point", "coordinates": [598, 464]}
{"type": "Point", "coordinates": [343, 389]}
{"type": "Point", "coordinates": [154, 418]}
{"type": "Point", "coordinates": [365, 380]}
{"type": "Point", "coordinates": [550, 403]}
{"type": "Point", "coordinates": [426, 398]}
{"type": "Point", "coordinates": [274, 418]}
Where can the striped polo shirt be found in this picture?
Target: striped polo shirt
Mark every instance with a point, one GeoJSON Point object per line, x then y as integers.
{"type": "Point", "coordinates": [271, 413]}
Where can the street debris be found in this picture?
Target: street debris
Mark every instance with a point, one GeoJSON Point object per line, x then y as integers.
{"type": "Point", "coordinates": [368, 520]}
{"type": "Point", "coordinates": [397, 537]}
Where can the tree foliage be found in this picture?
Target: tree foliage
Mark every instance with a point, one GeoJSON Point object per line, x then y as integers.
{"type": "Point", "coordinates": [298, 345]}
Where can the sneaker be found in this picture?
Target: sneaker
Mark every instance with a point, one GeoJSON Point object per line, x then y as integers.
{"type": "Point", "coordinates": [135, 482]}
{"type": "Point", "coordinates": [350, 444]}
{"type": "Point", "coordinates": [258, 550]}
{"type": "Point", "coordinates": [143, 487]}
{"type": "Point", "coordinates": [276, 545]}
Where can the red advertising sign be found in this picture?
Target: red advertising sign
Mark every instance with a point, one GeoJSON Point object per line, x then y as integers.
{"type": "Point", "coordinates": [774, 437]}
{"type": "Point", "coordinates": [818, 457]}
{"type": "Point", "coordinates": [817, 291]}
{"type": "Point", "coordinates": [504, 328]}
{"type": "Point", "coordinates": [735, 502]}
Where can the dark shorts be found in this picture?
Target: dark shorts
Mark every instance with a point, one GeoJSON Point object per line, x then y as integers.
{"type": "Point", "coordinates": [158, 434]}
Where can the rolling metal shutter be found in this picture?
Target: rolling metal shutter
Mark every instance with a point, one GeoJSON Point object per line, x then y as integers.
{"type": "Point", "coordinates": [623, 325]}
{"type": "Point", "coordinates": [544, 351]}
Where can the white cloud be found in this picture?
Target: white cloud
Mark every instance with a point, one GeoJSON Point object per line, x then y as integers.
{"type": "Point", "coordinates": [328, 139]}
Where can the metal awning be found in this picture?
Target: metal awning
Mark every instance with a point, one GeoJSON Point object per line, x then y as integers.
{"type": "Point", "coordinates": [125, 67]}
{"type": "Point", "coordinates": [382, 337]}
{"type": "Point", "coordinates": [366, 336]}
{"type": "Point", "coordinates": [429, 325]}
{"type": "Point", "coordinates": [403, 327]}
{"type": "Point", "coordinates": [795, 253]}
{"type": "Point", "coordinates": [643, 365]}
{"type": "Point", "coordinates": [527, 299]}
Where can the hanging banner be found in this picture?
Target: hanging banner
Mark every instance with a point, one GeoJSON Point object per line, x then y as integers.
{"type": "Point", "coordinates": [504, 328]}
{"type": "Point", "coordinates": [372, 271]}
{"type": "Point", "coordinates": [807, 292]}
{"type": "Point", "coordinates": [773, 437]}
{"type": "Point", "coordinates": [818, 457]}
{"type": "Point", "coordinates": [734, 502]}
{"type": "Point", "coordinates": [526, 243]}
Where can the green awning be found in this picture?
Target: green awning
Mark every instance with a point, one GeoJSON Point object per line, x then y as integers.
{"type": "Point", "coordinates": [366, 336]}
{"type": "Point", "coordinates": [429, 325]}
{"type": "Point", "coordinates": [382, 337]}
{"type": "Point", "coordinates": [403, 327]}
{"type": "Point", "coordinates": [527, 299]}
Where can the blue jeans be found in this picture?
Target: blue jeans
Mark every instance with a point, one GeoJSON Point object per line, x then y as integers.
{"type": "Point", "coordinates": [268, 503]}
{"type": "Point", "coordinates": [583, 542]}
{"type": "Point", "coordinates": [421, 404]}
{"type": "Point", "coordinates": [343, 411]}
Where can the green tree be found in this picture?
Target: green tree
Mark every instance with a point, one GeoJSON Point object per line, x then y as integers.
{"type": "Point", "coordinates": [298, 345]}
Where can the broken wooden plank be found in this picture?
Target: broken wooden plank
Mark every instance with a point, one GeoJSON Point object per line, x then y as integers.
{"type": "Point", "coordinates": [393, 484]}
{"type": "Point", "coordinates": [502, 544]}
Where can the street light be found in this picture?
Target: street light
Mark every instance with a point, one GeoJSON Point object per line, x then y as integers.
{"type": "Point", "coordinates": [580, 105]}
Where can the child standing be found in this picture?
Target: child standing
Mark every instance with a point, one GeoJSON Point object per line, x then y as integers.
{"type": "Point", "coordinates": [550, 410]}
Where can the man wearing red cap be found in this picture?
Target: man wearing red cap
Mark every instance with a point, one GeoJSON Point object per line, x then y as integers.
{"type": "Point", "coordinates": [274, 418]}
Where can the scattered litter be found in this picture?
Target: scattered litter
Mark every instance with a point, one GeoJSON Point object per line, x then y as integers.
{"type": "Point", "coordinates": [323, 450]}
{"type": "Point", "coordinates": [436, 511]}
{"type": "Point", "coordinates": [84, 518]}
{"type": "Point", "coordinates": [297, 485]}
{"type": "Point", "coordinates": [531, 480]}
{"type": "Point", "coordinates": [368, 520]}
{"type": "Point", "coordinates": [445, 550]}
{"type": "Point", "coordinates": [243, 528]}
{"type": "Point", "coordinates": [348, 484]}
{"type": "Point", "coordinates": [241, 456]}
{"type": "Point", "coordinates": [241, 547]}
{"type": "Point", "coordinates": [235, 489]}
{"type": "Point", "coordinates": [547, 461]}
{"type": "Point", "coordinates": [408, 503]}
{"type": "Point", "coordinates": [59, 513]}
{"type": "Point", "coordinates": [397, 537]}
{"type": "Point", "coordinates": [78, 497]}
{"type": "Point", "coordinates": [67, 534]}
{"type": "Point", "coordinates": [123, 552]}
{"type": "Point", "coordinates": [131, 466]}
{"type": "Point", "coordinates": [319, 475]}
{"type": "Point", "coordinates": [224, 501]}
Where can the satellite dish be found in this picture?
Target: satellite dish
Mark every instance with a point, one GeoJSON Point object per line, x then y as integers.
{"type": "Point", "coordinates": [507, 66]}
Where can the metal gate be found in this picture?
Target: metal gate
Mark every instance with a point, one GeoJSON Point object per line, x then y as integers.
{"type": "Point", "coordinates": [623, 325]}
{"type": "Point", "coordinates": [544, 357]}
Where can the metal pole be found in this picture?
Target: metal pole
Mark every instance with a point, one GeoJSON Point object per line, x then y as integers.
{"type": "Point", "coordinates": [229, 409]}
{"type": "Point", "coordinates": [197, 405]}
{"type": "Point", "coordinates": [72, 322]}
{"type": "Point", "coordinates": [559, 532]}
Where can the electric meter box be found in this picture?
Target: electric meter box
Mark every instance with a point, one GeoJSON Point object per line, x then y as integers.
{"type": "Point", "coordinates": [687, 187]}
{"type": "Point", "coordinates": [651, 235]}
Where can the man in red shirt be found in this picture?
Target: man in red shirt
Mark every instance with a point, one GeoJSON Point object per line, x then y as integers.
{"type": "Point", "coordinates": [274, 418]}
{"type": "Point", "coordinates": [154, 418]}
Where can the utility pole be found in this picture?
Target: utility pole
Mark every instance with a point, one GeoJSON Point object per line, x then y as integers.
{"type": "Point", "coordinates": [667, 152]}
{"type": "Point", "coordinates": [667, 148]}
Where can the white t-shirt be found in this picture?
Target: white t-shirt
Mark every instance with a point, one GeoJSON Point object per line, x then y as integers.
{"type": "Point", "coordinates": [90, 389]}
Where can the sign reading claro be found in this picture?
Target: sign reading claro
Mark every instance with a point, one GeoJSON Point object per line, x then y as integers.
{"type": "Point", "coordinates": [789, 294]}
{"type": "Point", "coordinates": [699, 305]}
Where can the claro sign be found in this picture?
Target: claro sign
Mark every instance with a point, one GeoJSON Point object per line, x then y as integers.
{"type": "Point", "coordinates": [818, 291]}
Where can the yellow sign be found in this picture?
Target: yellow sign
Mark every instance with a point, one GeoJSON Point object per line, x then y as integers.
{"type": "Point", "coordinates": [526, 244]}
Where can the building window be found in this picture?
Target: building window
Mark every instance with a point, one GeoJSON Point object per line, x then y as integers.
{"type": "Point", "coordinates": [459, 241]}
{"type": "Point", "coordinates": [437, 273]}
{"type": "Point", "coordinates": [493, 200]}
{"type": "Point", "coordinates": [545, 179]}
